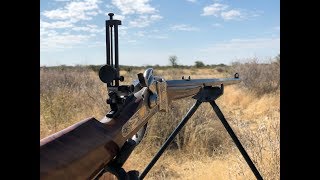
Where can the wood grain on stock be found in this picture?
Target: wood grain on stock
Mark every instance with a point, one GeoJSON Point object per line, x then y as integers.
{"type": "Point", "coordinates": [83, 149]}
{"type": "Point", "coordinates": [76, 151]}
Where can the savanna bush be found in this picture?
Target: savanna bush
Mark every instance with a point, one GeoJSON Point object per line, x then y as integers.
{"type": "Point", "coordinates": [260, 78]}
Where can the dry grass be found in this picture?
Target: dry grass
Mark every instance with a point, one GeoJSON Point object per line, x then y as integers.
{"type": "Point", "coordinates": [259, 78]}
{"type": "Point", "coordinates": [207, 151]}
{"type": "Point", "coordinates": [202, 150]}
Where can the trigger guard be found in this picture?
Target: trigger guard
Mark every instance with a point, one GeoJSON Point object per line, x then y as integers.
{"type": "Point", "coordinates": [139, 135]}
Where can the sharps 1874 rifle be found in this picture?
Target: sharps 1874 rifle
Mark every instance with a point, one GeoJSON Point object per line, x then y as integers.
{"type": "Point", "coordinates": [89, 148]}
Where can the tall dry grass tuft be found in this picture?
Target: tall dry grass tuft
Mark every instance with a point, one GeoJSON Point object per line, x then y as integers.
{"type": "Point", "coordinates": [67, 96]}
{"type": "Point", "coordinates": [259, 78]}
{"type": "Point", "coordinates": [203, 148]}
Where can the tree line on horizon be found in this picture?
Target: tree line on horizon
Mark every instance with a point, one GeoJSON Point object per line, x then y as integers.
{"type": "Point", "coordinates": [173, 63]}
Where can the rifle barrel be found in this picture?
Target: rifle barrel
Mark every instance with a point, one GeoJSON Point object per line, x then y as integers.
{"type": "Point", "coordinates": [177, 89]}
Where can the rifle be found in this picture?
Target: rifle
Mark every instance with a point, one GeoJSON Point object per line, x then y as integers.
{"type": "Point", "coordinates": [89, 148]}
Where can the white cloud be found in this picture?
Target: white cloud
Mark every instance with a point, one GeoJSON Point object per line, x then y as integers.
{"type": "Point", "coordinates": [232, 14]}
{"type": "Point", "coordinates": [183, 27]}
{"type": "Point", "coordinates": [144, 20]}
{"type": "Point", "coordinates": [155, 17]}
{"type": "Point", "coordinates": [89, 28]}
{"type": "Point", "coordinates": [132, 41]}
{"type": "Point", "coordinates": [75, 11]}
{"type": "Point", "coordinates": [216, 25]}
{"type": "Point", "coordinates": [122, 31]}
{"type": "Point", "coordinates": [109, 6]}
{"type": "Point", "coordinates": [255, 43]}
{"type": "Point", "coordinates": [134, 6]}
{"type": "Point", "coordinates": [55, 25]}
{"type": "Point", "coordinates": [68, 18]}
{"type": "Point", "coordinates": [244, 48]}
{"type": "Point", "coordinates": [214, 9]}
{"type": "Point", "coordinates": [140, 33]}
{"type": "Point", "coordinates": [97, 44]}
{"type": "Point", "coordinates": [164, 36]}
{"type": "Point", "coordinates": [92, 13]}
{"type": "Point", "coordinates": [153, 34]}
{"type": "Point", "coordinates": [225, 12]}
{"type": "Point", "coordinates": [142, 14]}
{"type": "Point", "coordinates": [256, 13]}
{"type": "Point", "coordinates": [52, 40]}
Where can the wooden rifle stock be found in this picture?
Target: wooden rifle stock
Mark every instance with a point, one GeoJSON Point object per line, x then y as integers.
{"type": "Point", "coordinates": [83, 149]}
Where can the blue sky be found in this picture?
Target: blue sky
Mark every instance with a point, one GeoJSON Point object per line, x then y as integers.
{"type": "Point", "coordinates": [212, 31]}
